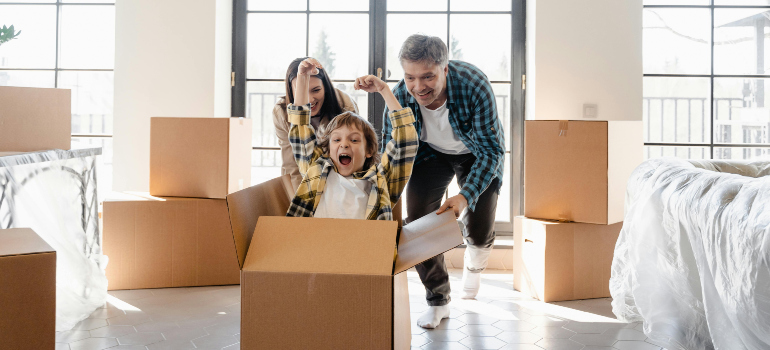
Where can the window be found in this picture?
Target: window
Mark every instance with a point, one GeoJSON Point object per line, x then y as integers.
{"type": "Point", "coordinates": [356, 37]}
{"type": "Point", "coordinates": [67, 44]}
{"type": "Point", "coordinates": [706, 64]}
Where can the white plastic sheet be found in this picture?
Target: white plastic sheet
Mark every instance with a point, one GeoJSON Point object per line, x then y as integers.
{"type": "Point", "coordinates": [54, 193]}
{"type": "Point", "coordinates": [693, 257]}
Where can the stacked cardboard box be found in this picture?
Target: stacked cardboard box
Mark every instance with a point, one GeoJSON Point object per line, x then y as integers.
{"type": "Point", "coordinates": [179, 234]}
{"type": "Point", "coordinates": [34, 119]}
{"type": "Point", "coordinates": [575, 175]}
{"type": "Point", "coordinates": [27, 290]}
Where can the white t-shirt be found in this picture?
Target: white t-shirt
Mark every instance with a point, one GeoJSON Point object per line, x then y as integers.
{"type": "Point", "coordinates": [438, 133]}
{"type": "Point", "coordinates": [343, 198]}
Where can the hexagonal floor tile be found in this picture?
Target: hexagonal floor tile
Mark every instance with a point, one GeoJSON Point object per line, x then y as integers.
{"type": "Point", "coordinates": [450, 323]}
{"type": "Point", "coordinates": [89, 324]}
{"type": "Point", "coordinates": [94, 344]}
{"type": "Point", "coordinates": [419, 340]}
{"type": "Point", "coordinates": [546, 320]}
{"type": "Point", "coordinates": [634, 345]}
{"type": "Point", "coordinates": [625, 334]}
{"type": "Point", "coordinates": [477, 319]}
{"type": "Point", "coordinates": [558, 344]}
{"type": "Point", "coordinates": [594, 339]}
{"type": "Point", "coordinates": [553, 332]}
{"type": "Point", "coordinates": [143, 338]}
{"type": "Point", "coordinates": [440, 335]}
{"type": "Point", "coordinates": [519, 337]}
{"type": "Point", "coordinates": [112, 331]}
{"type": "Point", "coordinates": [445, 346]}
{"type": "Point", "coordinates": [71, 336]}
{"type": "Point", "coordinates": [521, 347]}
{"type": "Point", "coordinates": [214, 341]}
{"type": "Point", "coordinates": [514, 326]}
{"type": "Point", "coordinates": [483, 343]}
{"type": "Point", "coordinates": [480, 330]}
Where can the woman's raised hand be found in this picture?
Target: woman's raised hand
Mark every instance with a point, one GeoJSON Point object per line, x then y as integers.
{"type": "Point", "coordinates": [370, 83]}
{"type": "Point", "coordinates": [309, 66]}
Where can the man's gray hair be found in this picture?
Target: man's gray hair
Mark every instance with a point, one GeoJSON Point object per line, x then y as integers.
{"type": "Point", "coordinates": [424, 48]}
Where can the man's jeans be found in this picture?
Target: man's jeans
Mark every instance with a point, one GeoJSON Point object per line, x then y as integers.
{"type": "Point", "coordinates": [424, 195]}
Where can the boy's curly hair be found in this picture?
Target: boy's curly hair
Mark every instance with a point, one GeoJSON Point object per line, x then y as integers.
{"type": "Point", "coordinates": [351, 119]}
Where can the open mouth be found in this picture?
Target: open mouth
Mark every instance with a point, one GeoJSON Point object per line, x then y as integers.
{"type": "Point", "coordinates": [424, 93]}
{"type": "Point", "coordinates": [345, 159]}
{"type": "Point", "coordinates": [312, 105]}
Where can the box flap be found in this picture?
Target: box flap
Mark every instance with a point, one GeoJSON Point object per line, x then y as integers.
{"type": "Point", "coordinates": [425, 238]}
{"type": "Point", "coordinates": [270, 198]}
{"type": "Point", "coordinates": [21, 241]}
{"type": "Point", "coordinates": [313, 245]}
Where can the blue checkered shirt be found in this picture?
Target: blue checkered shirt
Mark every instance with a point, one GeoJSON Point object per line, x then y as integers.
{"type": "Point", "coordinates": [473, 117]}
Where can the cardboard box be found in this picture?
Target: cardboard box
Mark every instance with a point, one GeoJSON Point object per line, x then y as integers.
{"type": "Point", "coordinates": [27, 291]}
{"type": "Point", "coordinates": [309, 283]}
{"type": "Point", "coordinates": [34, 119]}
{"type": "Point", "coordinates": [555, 261]}
{"type": "Point", "coordinates": [199, 157]}
{"type": "Point", "coordinates": [168, 242]}
{"type": "Point", "coordinates": [577, 170]}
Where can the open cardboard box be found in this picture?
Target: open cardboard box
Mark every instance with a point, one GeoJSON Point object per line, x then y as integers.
{"type": "Point", "coordinates": [309, 283]}
{"type": "Point", "coordinates": [27, 290]}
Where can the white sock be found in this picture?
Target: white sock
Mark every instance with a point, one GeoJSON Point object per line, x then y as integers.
{"type": "Point", "coordinates": [471, 284]}
{"type": "Point", "coordinates": [432, 318]}
{"type": "Point", "coordinates": [475, 260]}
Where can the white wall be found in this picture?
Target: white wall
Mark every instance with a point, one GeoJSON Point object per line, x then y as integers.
{"type": "Point", "coordinates": [172, 58]}
{"type": "Point", "coordinates": [587, 51]}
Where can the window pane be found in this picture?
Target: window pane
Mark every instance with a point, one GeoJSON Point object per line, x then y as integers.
{"type": "Point", "coordinates": [92, 97]}
{"type": "Point", "coordinates": [27, 78]}
{"type": "Point", "coordinates": [742, 153]}
{"type": "Point", "coordinates": [676, 41]}
{"type": "Point", "coordinates": [676, 110]}
{"type": "Point", "coordinates": [87, 1]}
{"type": "Point", "coordinates": [265, 165]}
{"type": "Point", "coordinates": [82, 27]}
{"type": "Point", "coordinates": [401, 27]}
{"type": "Point", "coordinates": [503, 101]}
{"type": "Point", "coordinates": [360, 97]}
{"type": "Point", "coordinates": [341, 43]}
{"type": "Point", "coordinates": [736, 48]}
{"type": "Point", "coordinates": [268, 55]}
{"type": "Point", "coordinates": [475, 5]}
{"type": "Point", "coordinates": [740, 113]}
{"type": "Point", "coordinates": [411, 5]}
{"type": "Point", "coordinates": [470, 42]}
{"type": "Point", "coordinates": [679, 152]}
{"type": "Point", "coordinates": [103, 163]}
{"type": "Point", "coordinates": [742, 2]}
{"type": "Point", "coordinates": [261, 97]}
{"type": "Point", "coordinates": [678, 2]}
{"type": "Point", "coordinates": [27, 1]}
{"type": "Point", "coordinates": [283, 5]}
{"type": "Point", "coordinates": [35, 47]}
{"type": "Point", "coordinates": [339, 5]}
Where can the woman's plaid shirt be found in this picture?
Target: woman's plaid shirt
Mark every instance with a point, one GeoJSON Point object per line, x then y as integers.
{"type": "Point", "coordinates": [388, 178]}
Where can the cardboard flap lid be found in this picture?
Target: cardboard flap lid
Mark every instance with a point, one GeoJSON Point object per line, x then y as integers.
{"type": "Point", "coordinates": [314, 245]}
{"type": "Point", "coordinates": [270, 198]}
{"type": "Point", "coordinates": [22, 241]}
{"type": "Point", "coordinates": [425, 238]}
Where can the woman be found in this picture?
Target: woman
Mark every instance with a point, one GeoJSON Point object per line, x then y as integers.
{"type": "Point", "coordinates": [325, 105]}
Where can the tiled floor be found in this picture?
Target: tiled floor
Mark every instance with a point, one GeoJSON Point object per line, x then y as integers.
{"type": "Point", "coordinates": [501, 318]}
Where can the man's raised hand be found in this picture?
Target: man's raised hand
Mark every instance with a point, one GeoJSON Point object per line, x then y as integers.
{"type": "Point", "coordinates": [370, 83]}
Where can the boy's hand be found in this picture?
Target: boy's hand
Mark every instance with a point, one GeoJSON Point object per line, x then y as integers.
{"type": "Point", "coordinates": [456, 203]}
{"type": "Point", "coordinates": [309, 66]}
{"type": "Point", "coordinates": [370, 83]}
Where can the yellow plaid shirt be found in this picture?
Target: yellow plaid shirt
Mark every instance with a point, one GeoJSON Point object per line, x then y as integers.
{"type": "Point", "coordinates": [388, 178]}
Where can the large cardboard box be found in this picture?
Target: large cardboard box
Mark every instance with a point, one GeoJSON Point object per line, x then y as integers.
{"type": "Point", "coordinates": [34, 119]}
{"type": "Point", "coordinates": [168, 242]}
{"type": "Point", "coordinates": [309, 283]}
{"type": "Point", "coordinates": [199, 157]}
{"type": "Point", "coordinates": [554, 261]}
{"type": "Point", "coordinates": [27, 291]}
{"type": "Point", "coordinates": [577, 170]}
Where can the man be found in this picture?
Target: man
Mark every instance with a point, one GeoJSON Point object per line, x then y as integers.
{"type": "Point", "coordinates": [460, 135]}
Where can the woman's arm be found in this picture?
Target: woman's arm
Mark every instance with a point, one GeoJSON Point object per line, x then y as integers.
{"type": "Point", "coordinates": [301, 135]}
{"type": "Point", "coordinates": [288, 163]}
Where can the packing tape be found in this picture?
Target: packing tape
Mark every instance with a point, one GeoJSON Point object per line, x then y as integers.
{"type": "Point", "coordinates": [563, 126]}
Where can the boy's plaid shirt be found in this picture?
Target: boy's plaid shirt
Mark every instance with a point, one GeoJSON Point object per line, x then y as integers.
{"type": "Point", "coordinates": [473, 116]}
{"type": "Point", "coordinates": [388, 178]}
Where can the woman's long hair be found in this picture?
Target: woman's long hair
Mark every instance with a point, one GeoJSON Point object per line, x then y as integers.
{"type": "Point", "coordinates": [331, 106]}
